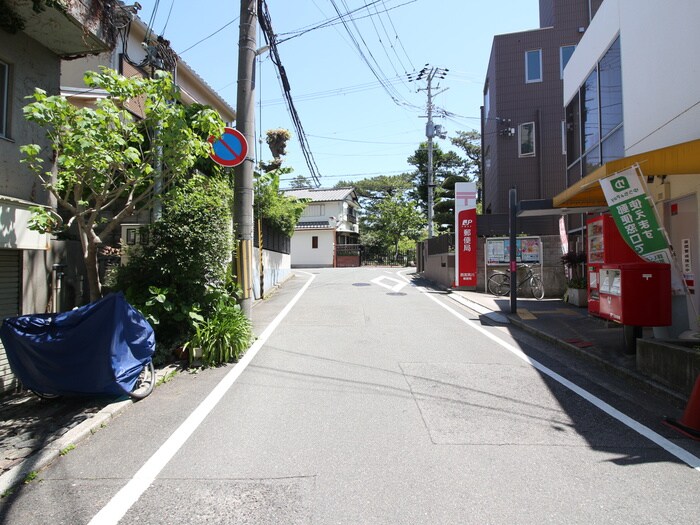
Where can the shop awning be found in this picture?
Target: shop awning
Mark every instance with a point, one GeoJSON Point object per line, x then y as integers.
{"type": "Point", "coordinates": [679, 159]}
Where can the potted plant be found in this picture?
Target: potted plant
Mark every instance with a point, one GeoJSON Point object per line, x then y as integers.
{"type": "Point", "coordinates": [576, 290]}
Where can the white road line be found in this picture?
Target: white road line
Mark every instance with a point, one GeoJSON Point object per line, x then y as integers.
{"type": "Point", "coordinates": [119, 505]}
{"type": "Point", "coordinates": [393, 284]}
{"type": "Point", "coordinates": [670, 447]}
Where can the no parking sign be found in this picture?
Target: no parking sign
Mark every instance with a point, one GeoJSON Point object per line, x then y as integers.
{"type": "Point", "coordinates": [229, 150]}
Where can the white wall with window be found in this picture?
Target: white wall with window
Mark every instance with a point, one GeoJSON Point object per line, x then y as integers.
{"type": "Point", "coordinates": [313, 248]}
{"type": "Point", "coordinates": [657, 50]}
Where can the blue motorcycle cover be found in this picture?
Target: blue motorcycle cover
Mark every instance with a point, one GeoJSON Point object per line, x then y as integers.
{"type": "Point", "coordinates": [99, 348]}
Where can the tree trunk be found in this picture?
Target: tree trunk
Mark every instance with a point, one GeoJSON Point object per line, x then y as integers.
{"type": "Point", "coordinates": [88, 240]}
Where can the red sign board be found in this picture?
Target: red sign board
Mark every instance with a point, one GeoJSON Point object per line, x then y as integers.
{"type": "Point", "coordinates": [229, 150]}
{"type": "Point", "coordinates": [465, 229]}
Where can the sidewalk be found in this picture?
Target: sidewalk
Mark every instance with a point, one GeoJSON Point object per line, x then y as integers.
{"type": "Point", "coordinates": [570, 328]}
{"type": "Point", "coordinates": [34, 432]}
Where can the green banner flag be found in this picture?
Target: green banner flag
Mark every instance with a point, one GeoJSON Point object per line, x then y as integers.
{"type": "Point", "coordinates": [634, 216]}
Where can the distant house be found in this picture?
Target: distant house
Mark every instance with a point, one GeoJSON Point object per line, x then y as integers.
{"type": "Point", "coordinates": [30, 57]}
{"type": "Point", "coordinates": [329, 221]}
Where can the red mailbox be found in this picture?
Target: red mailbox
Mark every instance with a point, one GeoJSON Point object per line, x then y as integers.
{"type": "Point", "coordinates": [605, 246]}
{"type": "Point", "coordinates": [636, 294]}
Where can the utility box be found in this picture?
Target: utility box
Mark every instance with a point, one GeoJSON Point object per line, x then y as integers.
{"type": "Point", "coordinates": [636, 294]}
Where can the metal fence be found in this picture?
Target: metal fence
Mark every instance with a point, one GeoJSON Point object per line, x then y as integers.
{"type": "Point", "coordinates": [407, 258]}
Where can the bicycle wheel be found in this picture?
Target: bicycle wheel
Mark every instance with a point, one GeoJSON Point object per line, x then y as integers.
{"type": "Point", "coordinates": [536, 287]}
{"type": "Point", "coordinates": [44, 395]}
{"type": "Point", "coordinates": [499, 284]}
{"type": "Point", "coordinates": [145, 382]}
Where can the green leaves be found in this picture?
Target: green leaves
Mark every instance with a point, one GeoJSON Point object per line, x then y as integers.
{"type": "Point", "coordinates": [103, 156]}
{"type": "Point", "coordinates": [280, 211]}
{"type": "Point", "coordinates": [43, 220]}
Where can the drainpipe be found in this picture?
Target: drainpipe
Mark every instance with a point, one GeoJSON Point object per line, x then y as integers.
{"type": "Point", "coordinates": [57, 286]}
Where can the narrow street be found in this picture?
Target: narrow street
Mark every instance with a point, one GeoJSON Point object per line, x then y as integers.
{"type": "Point", "coordinates": [369, 399]}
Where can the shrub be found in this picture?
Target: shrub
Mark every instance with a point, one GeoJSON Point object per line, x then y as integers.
{"type": "Point", "coordinates": [190, 246]}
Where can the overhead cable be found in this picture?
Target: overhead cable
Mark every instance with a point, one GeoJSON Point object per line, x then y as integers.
{"type": "Point", "coordinates": [270, 40]}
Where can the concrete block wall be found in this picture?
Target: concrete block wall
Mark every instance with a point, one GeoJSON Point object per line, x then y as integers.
{"type": "Point", "coordinates": [440, 268]}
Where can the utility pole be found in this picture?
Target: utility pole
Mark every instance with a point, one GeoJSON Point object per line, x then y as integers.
{"type": "Point", "coordinates": [430, 73]}
{"type": "Point", "coordinates": [243, 174]}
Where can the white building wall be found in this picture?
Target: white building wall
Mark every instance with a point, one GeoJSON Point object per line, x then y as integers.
{"type": "Point", "coordinates": [304, 255]}
{"type": "Point", "coordinates": [660, 69]}
{"type": "Point", "coordinates": [276, 269]}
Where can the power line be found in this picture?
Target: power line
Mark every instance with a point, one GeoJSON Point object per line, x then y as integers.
{"type": "Point", "coordinates": [170, 12]}
{"type": "Point", "coordinates": [209, 36]}
{"type": "Point", "coordinates": [271, 40]}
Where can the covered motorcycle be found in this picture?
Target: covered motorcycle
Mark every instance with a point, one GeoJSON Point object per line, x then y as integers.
{"type": "Point", "coordinates": [105, 347]}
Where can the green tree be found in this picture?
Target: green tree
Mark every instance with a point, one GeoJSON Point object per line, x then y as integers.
{"type": "Point", "coordinates": [281, 211]}
{"type": "Point", "coordinates": [389, 219]}
{"type": "Point", "coordinates": [396, 219]}
{"type": "Point", "coordinates": [101, 159]}
{"type": "Point", "coordinates": [445, 164]}
{"type": "Point", "coordinates": [470, 143]}
{"type": "Point", "coordinates": [300, 182]}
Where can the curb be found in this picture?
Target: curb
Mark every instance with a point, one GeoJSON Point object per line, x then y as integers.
{"type": "Point", "coordinates": [639, 380]}
{"type": "Point", "coordinates": [52, 451]}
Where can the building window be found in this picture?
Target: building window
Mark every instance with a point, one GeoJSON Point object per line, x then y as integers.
{"type": "Point", "coordinates": [487, 102]}
{"type": "Point", "coordinates": [314, 210]}
{"type": "Point", "coordinates": [563, 137]}
{"type": "Point", "coordinates": [610, 90]}
{"type": "Point", "coordinates": [590, 112]}
{"type": "Point", "coordinates": [565, 53]}
{"type": "Point", "coordinates": [533, 66]}
{"type": "Point", "coordinates": [314, 242]}
{"type": "Point", "coordinates": [526, 139]}
{"type": "Point", "coordinates": [4, 98]}
{"type": "Point", "coordinates": [594, 116]}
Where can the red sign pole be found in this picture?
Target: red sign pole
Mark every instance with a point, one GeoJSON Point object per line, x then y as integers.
{"type": "Point", "coordinates": [465, 231]}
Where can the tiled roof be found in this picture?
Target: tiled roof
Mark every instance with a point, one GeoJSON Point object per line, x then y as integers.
{"type": "Point", "coordinates": [321, 195]}
{"type": "Point", "coordinates": [313, 225]}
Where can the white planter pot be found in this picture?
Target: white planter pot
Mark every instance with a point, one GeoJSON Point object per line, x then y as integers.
{"type": "Point", "coordinates": [577, 296]}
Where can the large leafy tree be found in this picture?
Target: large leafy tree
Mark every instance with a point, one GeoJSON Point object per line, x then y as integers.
{"type": "Point", "coordinates": [397, 218]}
{"type": "Point", "coordinates": [389, 215]}
{"type": "Point", "coordinates": [101, 159]}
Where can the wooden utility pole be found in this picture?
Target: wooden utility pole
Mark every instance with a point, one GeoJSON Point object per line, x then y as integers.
{"type": "Point", "coordinates": [243, 180]}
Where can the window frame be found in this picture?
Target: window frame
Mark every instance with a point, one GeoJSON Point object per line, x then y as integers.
{"type": "Point", "coordinates": [4, 99]}
{"type": "Point", "coordinates": [521, 127]}
{"type": "Point", "coordinates": [562, 65]}
{"type": "Point", "coordinates": [529, 80]}
{"type": "Point", "coordinates": [314, 242]}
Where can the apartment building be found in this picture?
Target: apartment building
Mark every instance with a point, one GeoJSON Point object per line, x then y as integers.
{"type": "Point", "coordinates": [523, 128]}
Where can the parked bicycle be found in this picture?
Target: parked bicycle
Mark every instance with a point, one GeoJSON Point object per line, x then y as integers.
{"type": "Point", "coordinates": [499, 282]}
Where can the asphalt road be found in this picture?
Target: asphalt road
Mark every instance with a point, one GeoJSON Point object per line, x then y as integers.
{"type": "Point", "coordinates": [370, 400]}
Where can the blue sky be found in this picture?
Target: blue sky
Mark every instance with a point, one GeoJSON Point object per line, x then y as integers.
{"type": "Point", "coordinates": [353, 126]}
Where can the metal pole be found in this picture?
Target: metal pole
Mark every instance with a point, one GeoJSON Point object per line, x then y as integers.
{"type": "Point", "coordinates": [243, 175]}
{"type": "Point", "coordinates": [430, 133]}
{"type": "Point", "coordinates": [512, 207]}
